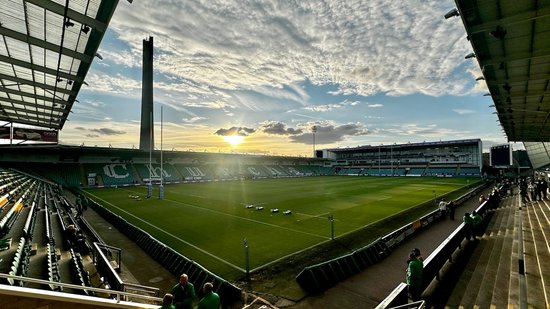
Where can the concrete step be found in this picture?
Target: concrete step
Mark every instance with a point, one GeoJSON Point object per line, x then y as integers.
{"type": "Point", "coordinates": [484, 296]}
{"type": "Point", "coordinates": [480, 264]}
{"type": "Point", "coordinates": [541, 236]}
{"type": "Point", "coordinates": [513, 287]}
{"type": "Point", "coordinates": [535, 289]}
{"type": "Point", "coordinates": [498, 297]}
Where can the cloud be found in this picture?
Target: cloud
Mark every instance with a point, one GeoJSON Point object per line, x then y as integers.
{"type": "Point", "coordinates": [193, 119]}
{"type": "Point", "coordinates": [329, 133]}
{"type": "Point", "coordinates": [431, 131]}
{"type": "Point", "coordinates": [107, 131]}
{"type": "Point", "coordinates": [331, 107]}
{"type": "Point", "coordinates": [240, 131]}
{"type": "Point", "coordinates": [279, 128]}
{"type": "Point", "coordinates": [375, 105]}
{"type": "Point", "coordinates": [463, 111]}
{"type": "Point", "coordinates": [380, 47]}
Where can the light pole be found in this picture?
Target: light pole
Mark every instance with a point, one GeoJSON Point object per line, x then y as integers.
{"type": "Point", "coordinates": [379, 160]}
{"type": "Point", "coordinates": [391, 158]}
{"type": "Point", "coordinates": [247, 259]}
{"type": "Point", "coordinates": [150, 184]}
{"type": "Point", "coordinates": [161, 187]}
{"type": "Point", "coordinates": [313, 130]}
{"type": "Point", "coordinates": [331, 220]}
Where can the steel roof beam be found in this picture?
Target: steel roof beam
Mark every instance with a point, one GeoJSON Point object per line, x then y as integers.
{"type": "Point", "coordinates": [39, 68]}
{"type": "Point", "coordinates": [72, 14]}
{"type": "Point", "coordinates": [33, 105]}
{"type": "Point", "coordinates": [39, 85]}
{"type": "Point", "coordinates": [44, 44]}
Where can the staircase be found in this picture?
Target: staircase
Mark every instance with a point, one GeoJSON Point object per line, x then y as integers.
{"type": "Point", "coordinates": [536, 235]}
{"type": "Point", "coordinates": [494, 276]}
{"type": "Point", "coordinates": [486, 279]}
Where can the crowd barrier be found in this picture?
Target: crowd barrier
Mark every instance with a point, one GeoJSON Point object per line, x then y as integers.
{"type": "Point", "coordinates": [173, 261]}
{"type": "Point", "coordinates": [320, 277]}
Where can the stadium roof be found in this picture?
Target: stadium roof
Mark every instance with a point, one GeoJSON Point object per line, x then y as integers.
{"type": "Point", "coordinates": [46, 49]}
{"type": "Point", "coordinates": [511, 41]}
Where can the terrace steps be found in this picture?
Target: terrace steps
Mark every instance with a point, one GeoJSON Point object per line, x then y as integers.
{"type": "Point", "coordinates": [537, 253]}
{"type": "Point", "coordinates": [480, 280]}
{"type": "Point", "coordinates": [500, 300]}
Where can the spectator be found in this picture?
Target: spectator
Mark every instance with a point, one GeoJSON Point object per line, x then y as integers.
{"type": "Point", "coordinates": [211, 300]}
{"type": "Point", "coordinates": [167, 302]}
{"type": "Point", "coordinates": [476, 219]}
{"type": "Point", "coordinates": [544, 188]}
{"type": "Point", "coordinates": [469, 225]}
{"type": "Point", "coordinates": [442, 208]}
{"type": "Point", "coordinates": [452, 206]}
{"type": "Point", "coordinates": [531, 190]}
{"type": "Point", "coordinates": [482, 199]}
{"type": "Point", "coordinates": [184, 293]}
{"type": "Point", "coordinates": [416, 253]}
{"type": "Point", "coordinates": [415, 270]}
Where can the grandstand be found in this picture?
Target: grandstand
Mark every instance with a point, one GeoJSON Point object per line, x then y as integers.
{"type": "Point", "coordinates": [440, 159]}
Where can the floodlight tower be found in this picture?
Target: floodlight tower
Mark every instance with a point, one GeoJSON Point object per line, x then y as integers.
{"type": "Point", "coordinates": [161, 187]}
{"type": "Point", "coordinates": [314, 130]}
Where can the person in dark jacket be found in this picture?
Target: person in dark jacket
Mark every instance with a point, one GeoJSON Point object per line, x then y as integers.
{"type": "Point", "coordinates": [167, 302]}
{"type": "Point", "coordinates": [469, 225]}
{"type": "Point", "coordinates": [184, 293]}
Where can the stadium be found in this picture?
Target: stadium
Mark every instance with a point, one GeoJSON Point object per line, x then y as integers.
{"type": "Point", "coordinates": [114, 225]}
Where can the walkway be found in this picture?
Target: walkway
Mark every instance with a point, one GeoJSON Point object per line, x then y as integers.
{"type": "Point", "coordinates": [370, 287]}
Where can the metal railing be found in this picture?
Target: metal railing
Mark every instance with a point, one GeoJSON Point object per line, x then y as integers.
{"type": "Point", "coordinates": [118, 295]}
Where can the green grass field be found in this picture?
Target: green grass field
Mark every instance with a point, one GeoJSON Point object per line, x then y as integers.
{"type": "Point", "coordinates": [207, 222]}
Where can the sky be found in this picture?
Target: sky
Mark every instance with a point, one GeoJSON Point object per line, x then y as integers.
{"type": "Point", "coordinates": [362, 72]}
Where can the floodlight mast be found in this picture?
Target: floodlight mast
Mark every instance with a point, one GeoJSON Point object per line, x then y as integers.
{"type": "Point", "coordinates": [150, 184]}
{"type": "Point", "coordinates": [314, 130]}
{"type": "Point", "coordinates": [161, 187]}
{"type": "Point", "coordinates": [247, 259]}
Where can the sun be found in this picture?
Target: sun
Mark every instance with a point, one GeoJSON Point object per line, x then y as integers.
{"type": "Point", "coordinates": [233, 140]}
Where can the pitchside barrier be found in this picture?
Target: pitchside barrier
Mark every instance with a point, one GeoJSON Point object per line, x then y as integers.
{"type": "Point", "coordinates": [173, 261]}
{"type": "Point", "coordinates": [319, 277]}
{"type": "Point", "coordinates": [434, 263]}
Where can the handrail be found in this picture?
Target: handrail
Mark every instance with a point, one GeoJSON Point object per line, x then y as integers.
{"type": "Point", "coordinates": [112, 273]}
{"type": "Point", "coordinates": [118, 294]}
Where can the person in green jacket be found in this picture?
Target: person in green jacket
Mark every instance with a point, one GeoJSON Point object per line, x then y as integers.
{"type": "Point", "coordinates": [167, 302]}
{"type": "Point", "coordinates": [415, 270]}
{"type": "Point", "coordinates": [211, 300]}
{"type": "Point", "coordinates": [469, 225]}
{"type": "Point", "coordinates": [476, 218]}
{"type": "Point", "coordinates": [184, 293]}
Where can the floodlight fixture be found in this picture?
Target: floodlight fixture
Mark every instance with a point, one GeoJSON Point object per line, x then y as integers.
{"type": "Point", "coordinates": [480, 78]}
{"type": "Point", "coordinates": [99, 56]}
{"type": "Point", "coordinates": [487, 94]}
{"type": "Point", "coordinates": [452, 13]}
{"type": "Point", "coordinates": [470, 55]}
{"type": "Point", "coordinates": [499, 33]}
{"type": "Point", "coordinates": [68, 23]}
{"type": "Point", "coordinates": [85, 29]}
